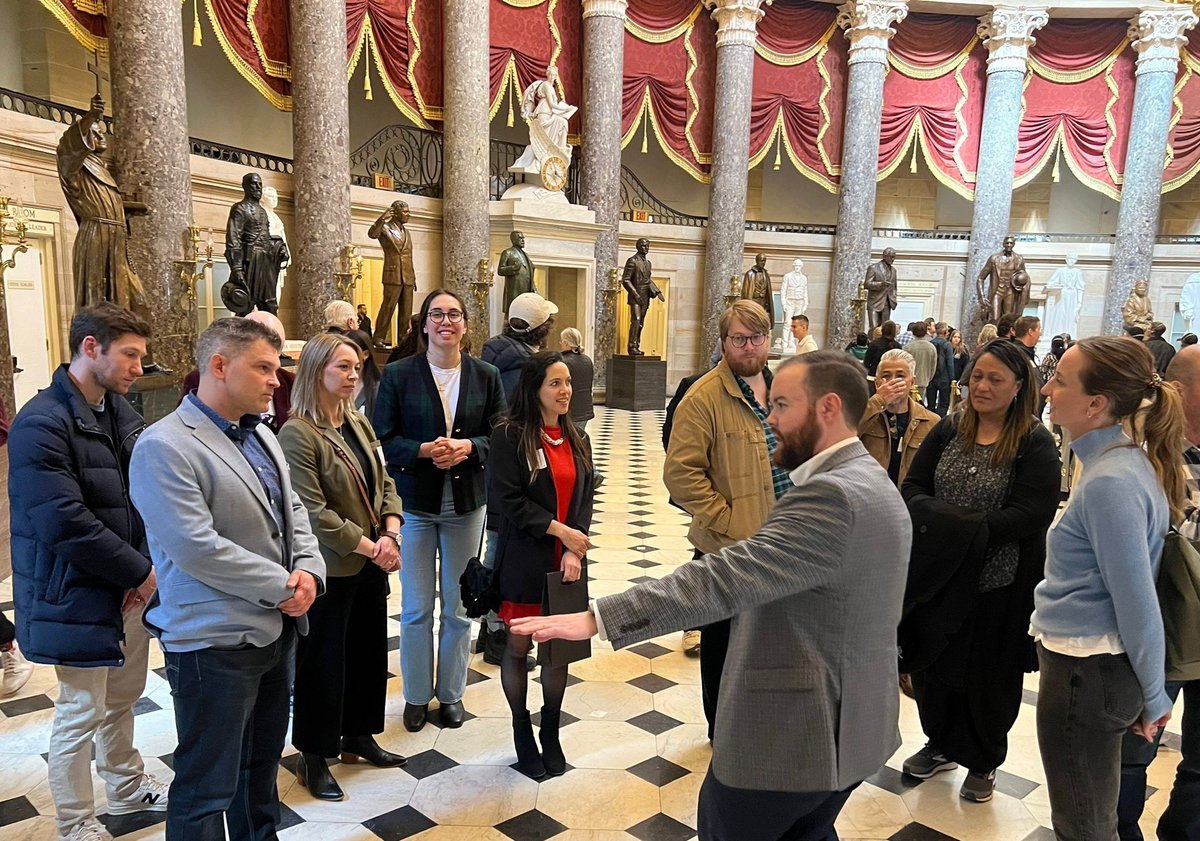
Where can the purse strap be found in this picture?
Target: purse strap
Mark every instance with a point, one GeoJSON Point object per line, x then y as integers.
{"type": "Point", "coordinates": [355, 471]}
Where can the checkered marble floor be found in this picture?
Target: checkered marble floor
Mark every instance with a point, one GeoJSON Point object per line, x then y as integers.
{"type": "Point", "coordinates": [634, 731]}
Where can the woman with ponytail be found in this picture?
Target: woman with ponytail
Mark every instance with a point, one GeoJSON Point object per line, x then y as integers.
{"type": "Point", "coordinates": [1096, 617]}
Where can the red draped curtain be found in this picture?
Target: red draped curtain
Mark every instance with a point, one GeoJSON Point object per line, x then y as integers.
{"type": "Point", "coordinates": [1183, 149]}
{"type": "Point", "coordinates": [86, 20]}
{"type": "Point", "coordinates": [526, 39]}
{"type": "Point", "coordinates": [1077, 103]}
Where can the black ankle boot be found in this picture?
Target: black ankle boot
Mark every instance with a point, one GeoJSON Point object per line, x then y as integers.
{"type": "Point", "coordinates": [552, 755]}
{"type": "Point", "coordinates": [529, 761]}
{"type": "Point", "coordinates": [355, 748]}
{"type": "Point", "coordinates": [313, 774]}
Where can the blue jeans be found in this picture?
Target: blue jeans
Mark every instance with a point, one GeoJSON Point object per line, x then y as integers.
{"type": "Point", "coordinates": [425, 537]}
{"type": "Point", "coordinates": [231, 711]}
{"type": "Point", "coordinates": [1181, 820]}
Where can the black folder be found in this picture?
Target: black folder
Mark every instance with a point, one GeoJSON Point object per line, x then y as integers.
{"type": "Point", "coordinates": [559, 598]}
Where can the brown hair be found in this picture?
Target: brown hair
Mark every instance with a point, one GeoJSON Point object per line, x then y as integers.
{"type": "Point", "coordinates": [105, 322]}
{"type": "Point", "coordinates": [749, 313]}
{"type": "Point", "coordinates": [1123, 371]}
{"type": "Point", "coordinates": [426, 305]}
{"type": "Point", "coordinates": [834, 372]}
{"type": "Point", "coordinates": [1019, 420]}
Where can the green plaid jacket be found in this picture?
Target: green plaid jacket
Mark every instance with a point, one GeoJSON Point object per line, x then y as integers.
{"type": "Point", "coordinates": [408, 412]}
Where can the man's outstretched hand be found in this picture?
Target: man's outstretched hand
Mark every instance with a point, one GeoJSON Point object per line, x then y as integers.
{"type": "Point", "coordinates": [568, 626]}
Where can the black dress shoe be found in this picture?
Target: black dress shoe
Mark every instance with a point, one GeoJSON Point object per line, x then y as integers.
{"type": "Point", "coordinates": [452, 714]}
{"type": "Point", "coordinates": [414, 716]}
{"type": "Point", "coordinates": [313, 774]}
{"type": "Point", "coordinates": [355, 748]}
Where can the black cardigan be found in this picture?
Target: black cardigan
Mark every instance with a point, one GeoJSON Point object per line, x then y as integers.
{"type": "Point", "coordinates": [950, 542]}
{"type": "Point", "coordinates": [525, 553]}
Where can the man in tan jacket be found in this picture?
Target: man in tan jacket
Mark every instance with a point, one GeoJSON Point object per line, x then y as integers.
{"type": "Point", "coordinates": [894, 425]}
{"type": "Point", "coordinates": [718, 466]}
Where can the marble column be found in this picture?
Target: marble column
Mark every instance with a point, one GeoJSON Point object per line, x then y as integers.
{"type": "Point", "coordinates": [1157, 35]}
{"type": "Point", "coordinates": [320, 143]}
{"type": "Point", "coordinates": [600, 153]}
{"type": "Point", "coordinates": [465, 158]}
{"type": "Point", "coordinates": [1008, 34]}
{"type": "Point", "coordinates": [150, 161]}
{"type": "Point", "coordinates": [868, 25]}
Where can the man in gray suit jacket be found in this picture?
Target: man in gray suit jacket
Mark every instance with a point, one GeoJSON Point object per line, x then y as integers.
{"type": "Point", "coordinates": [238, 567]}
{"type": "Point", "coordinates": [811, 706]}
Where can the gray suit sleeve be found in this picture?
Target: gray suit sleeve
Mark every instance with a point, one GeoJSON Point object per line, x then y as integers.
{"type": "Point", "coordinates": [166, 490]}
{"type": "Point", "coordinates": [306, 551]}
{"type": "Point", "coordinates": [798, 548]}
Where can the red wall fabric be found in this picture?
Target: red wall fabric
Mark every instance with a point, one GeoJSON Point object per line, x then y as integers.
{"type": "Point", "coordinates": [1184, 140]}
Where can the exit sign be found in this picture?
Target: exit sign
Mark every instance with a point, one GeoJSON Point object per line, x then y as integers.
{"type": "Point", "coordinates": [383, 182]}
{"type": "Point", "coordinates": [641, 216]}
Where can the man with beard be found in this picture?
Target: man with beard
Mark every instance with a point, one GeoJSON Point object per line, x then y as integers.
{"type": "Point", "coordinates": [810, 708]}
{"type": "Point", "coordinates": [718, 466]}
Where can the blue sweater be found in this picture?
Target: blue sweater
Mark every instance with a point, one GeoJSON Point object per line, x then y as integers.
{"type": "Point", "coordinates": [1103, 556]}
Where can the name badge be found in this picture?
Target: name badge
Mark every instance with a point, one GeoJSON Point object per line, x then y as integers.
{"type": "Point", "coordinates": [541, 459]}
{"type": "Point", "coordinates": [382, 459]}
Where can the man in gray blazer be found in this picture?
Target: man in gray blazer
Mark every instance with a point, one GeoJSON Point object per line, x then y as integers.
{"type": "Point", "coordinates": [238, 567]}
{"type": "Point", "coordinates": [809, 706]}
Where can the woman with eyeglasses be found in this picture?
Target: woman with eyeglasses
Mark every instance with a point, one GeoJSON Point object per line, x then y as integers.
{"type": "Point", "coordinates": [434, 414]}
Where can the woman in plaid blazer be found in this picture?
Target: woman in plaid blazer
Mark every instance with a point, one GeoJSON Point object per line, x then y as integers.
{"type": "Point", "coordinates": [434, 415]}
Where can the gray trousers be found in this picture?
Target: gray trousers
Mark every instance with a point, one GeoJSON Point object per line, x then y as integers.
{"type": "Point", "coordinates": [1085, 706]}
{"type": "Point", "coordinates": [97, 704]}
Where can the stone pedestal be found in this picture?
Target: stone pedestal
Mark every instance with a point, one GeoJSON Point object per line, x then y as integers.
{"type": "Point", "coordinates": [1157, 35]}
{"type": "Point", "coordinates": [321, 174]}
{"type": "Point", "coordinates": [154, 396]}
{"type": "Point", "coordinates": [465, 155]}
{"type": "Point", "coordinates": [600, 156]}
{"type": "Point", "coordinates": [151, 161]}
{"type": "Point", "coordinates": [636, 383]}
{"type": "Point", "coordinates": [737, 26]}
{"type": "Point", "coordinates": [1008, 34]}
{"type": "Point", "coordinates": [868, 25]}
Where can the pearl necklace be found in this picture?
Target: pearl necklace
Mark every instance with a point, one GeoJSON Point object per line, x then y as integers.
{"type": "Point", "coordinates": [553, 442]}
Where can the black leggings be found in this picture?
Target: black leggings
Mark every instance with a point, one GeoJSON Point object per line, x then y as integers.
{"type": "Point", "coordinates": [514, 677]}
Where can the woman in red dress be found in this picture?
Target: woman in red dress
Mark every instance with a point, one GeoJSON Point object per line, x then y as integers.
{"type": "Point", "coordinates": [541, 486]}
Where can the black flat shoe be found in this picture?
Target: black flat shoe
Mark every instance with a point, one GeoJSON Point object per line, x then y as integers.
{"type": "Point", "coordinates": [552, 753]}
{"type": "Point", "coordinates": [452, 715]}
{"type": "Point", "coordinates": [313, 774]}
{"type": "Point", "coordinates": [529, 761]}
{"type": "Point", "coordinates": [355, 748]}
{"type": "Point", "coordinates": [414, 716]}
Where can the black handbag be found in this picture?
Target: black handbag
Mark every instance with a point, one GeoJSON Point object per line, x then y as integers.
{"type": "Point", "coordinates": [479, 586]}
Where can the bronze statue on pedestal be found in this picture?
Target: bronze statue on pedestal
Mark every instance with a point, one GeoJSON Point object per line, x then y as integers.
{"type": "Point", "coordinates": [254, 256]}
{"type": "Point", "coordinates": [640, 291]}
{"type": "Point", "coordinates": [516, 269]}
{"type": "Point", "coordinates": [880, 285]}
{"type": "Point", "coordinates": [1008, 288]}
{"type": "Point", "coordinates": [756, 286]}
{"type": "Point", "coordinates": [399, 277]}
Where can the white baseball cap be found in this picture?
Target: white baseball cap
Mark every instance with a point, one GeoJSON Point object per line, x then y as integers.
{"type": "Point", "coordinates": [531, 308]}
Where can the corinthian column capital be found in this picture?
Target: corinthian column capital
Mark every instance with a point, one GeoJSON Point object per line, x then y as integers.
{"type": "Point", "coordinates": [868, 25]}
{"type": "Point", "coordinates": [604, 9]}
{"type": "Point", "coordinates": [737, 20]}
{"type": "Point", "coordinates": [1007, 32]}
{"type": "Point", "coordinates": [1157, 34]}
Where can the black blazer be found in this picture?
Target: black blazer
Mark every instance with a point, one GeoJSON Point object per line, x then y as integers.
{"type": "Point", "coordinates": [525, 552]}
{"type": "Point", "coordinates": [408, 412]}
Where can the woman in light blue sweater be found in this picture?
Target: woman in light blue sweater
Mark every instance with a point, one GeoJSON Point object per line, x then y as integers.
{"type": "Point", "coordinates": [1096, 615]}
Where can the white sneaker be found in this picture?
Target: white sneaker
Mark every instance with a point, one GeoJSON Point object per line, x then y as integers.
{"type": "Point", "coordinates": [691, 643]}
{"type": "Point", "coordinates": [151, 796]}
{"type": "Point", "coordinates": [15, 671]}
{"type": "Point", "coordinates": [90, 830]}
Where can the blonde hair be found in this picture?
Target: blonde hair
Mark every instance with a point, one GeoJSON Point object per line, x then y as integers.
{"type": "Point", "coordinates": [337, 313]}
{"type": "Point", "coordinates": [987, 334]}
{"type": "Point", "coordinates": [749, 313]}
{"type": "Point", "coordinates": [310, 372]}
{"type": "Point", "coordinates": [572, 338]}
{"type": "Point", "coordinates": [1123, 371]}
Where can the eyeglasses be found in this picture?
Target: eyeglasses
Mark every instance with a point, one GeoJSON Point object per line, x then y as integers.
{"type": "Point", "coordinates": [453, 316]}
{"type": "Point", "coordinates": [740, 341]}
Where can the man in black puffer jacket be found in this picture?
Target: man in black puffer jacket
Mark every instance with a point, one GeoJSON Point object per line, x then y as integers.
{"type": "Point", "coordinates": [81, 568]}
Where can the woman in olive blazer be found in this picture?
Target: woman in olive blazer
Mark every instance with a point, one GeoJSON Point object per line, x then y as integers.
{"type": "Point", "coordinates": [337, 470]}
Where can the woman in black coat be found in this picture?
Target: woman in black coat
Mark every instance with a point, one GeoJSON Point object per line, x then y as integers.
{"type": "Point", "coordinates": [982, 491]}
{"type": "Point", "coordinates": [541, 486]}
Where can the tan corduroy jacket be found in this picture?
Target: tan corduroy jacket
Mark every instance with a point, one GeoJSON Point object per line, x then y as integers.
{"type": "Point", "coordinates": [717, 468]}
{"type": "Point", "coordinates": [873, 432]}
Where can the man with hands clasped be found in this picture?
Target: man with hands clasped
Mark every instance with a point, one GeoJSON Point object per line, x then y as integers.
{"type": "Point", "coordinates": [238, 568]}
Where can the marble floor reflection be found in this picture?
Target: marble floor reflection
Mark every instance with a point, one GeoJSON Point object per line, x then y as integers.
{"type": "Point", "coordinates": [635, 737]}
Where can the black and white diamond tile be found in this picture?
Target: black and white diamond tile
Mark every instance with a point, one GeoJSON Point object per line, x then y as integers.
{"type": "Point", "coordinates": [633, 731]}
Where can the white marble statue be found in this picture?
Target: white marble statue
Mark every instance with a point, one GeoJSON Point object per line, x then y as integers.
{"type": "Point", "coordinates": [1189, 302]}
{"type": "Point", "coordinates": [1064, 297]}
{"type": "Point", "coordinates": [794, 295]}
{"type": "Point", "coordinates": [545, 160]}
{"type": "Point", "coordinates": [270, 200]}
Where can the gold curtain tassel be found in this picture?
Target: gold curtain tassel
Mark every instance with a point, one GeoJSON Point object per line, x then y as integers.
{"type": "Point", "coordinates": [645, 131]}
{"type": "Point", "coordinates": [511, 95]}
{"type": "Point", "coordinates": [912, 165]}
{"type": "Point", "coordinates": [778, 152]}
{"type": "Point", "coordinates": [367, 92]}
{"type": "Point", "coordinates": [1054, 172]}
{"type": "Point", "coordinates": [197, 34]}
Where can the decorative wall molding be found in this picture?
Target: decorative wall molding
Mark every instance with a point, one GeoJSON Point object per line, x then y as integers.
{"type": "Point", "coordinates": [868, 25]}
{"type": "Point", "coordinates": [1158, 35]}
{"type": "Point", "coordinates": [1007, 32]}
{"type": "Point", "coordinates": [604, 9]}
{"type": "Point", "coordinates": [737, 20]}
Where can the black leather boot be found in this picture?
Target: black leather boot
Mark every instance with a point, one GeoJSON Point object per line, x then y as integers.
{"type": "Point", "coordinates": [529, 761]}
{"type": "Point", "coordinates": [552, 754]}
{"type": "Point", "coordinates": [414, 716]}
{"type": "Point", "coordinates": [313, 774]}
{"type": "Point", "coordinates": [355, 748]}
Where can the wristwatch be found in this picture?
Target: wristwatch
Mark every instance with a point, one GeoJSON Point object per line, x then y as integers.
{"type": "Point", "coordinates": [395, 536]}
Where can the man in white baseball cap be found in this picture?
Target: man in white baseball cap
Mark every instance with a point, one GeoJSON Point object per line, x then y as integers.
{"type": "Point", "coordinates": [529, 311]}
